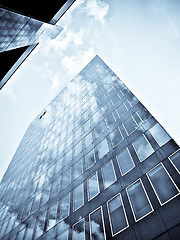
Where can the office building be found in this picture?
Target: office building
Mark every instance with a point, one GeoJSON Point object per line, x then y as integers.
{"type": "Point", "coordinates": [95, 164]}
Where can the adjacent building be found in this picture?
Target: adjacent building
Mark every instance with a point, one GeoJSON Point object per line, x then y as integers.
{"type": "Point", "coordinates": [22, 26]}
{"type": "Point", "coordinates": [94, 165]}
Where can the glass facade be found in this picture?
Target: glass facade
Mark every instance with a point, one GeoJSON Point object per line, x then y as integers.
{"type": "Point", "coordinates": [17, 30]}
{"type": "Point", "coordinates": [95, 164]}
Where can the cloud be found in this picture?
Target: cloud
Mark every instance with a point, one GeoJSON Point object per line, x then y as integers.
{"type": "Point", "coordinates": [74, 64]}
{"type": "Point", "coordinates": [97, 9]}
{"type": "Point", "coordinates": [56, 47]}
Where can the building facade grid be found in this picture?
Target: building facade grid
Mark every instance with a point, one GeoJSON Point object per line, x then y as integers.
{"type": "Point", "coordinates": [95, 164]}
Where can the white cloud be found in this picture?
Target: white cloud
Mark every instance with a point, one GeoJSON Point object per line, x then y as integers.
{"type": "Point", "coordinates": [74, 64]}
{"type": "Point", "coordinates": [97, 9]}
{"type": "Point", "coordinates": [57, 83]}
{"type": "Point", "coordinates": [63, 41]}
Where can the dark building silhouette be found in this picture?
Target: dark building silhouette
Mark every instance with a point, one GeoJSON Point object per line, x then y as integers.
{"type": "Point", "coordinates": [95, 164]}
{"type": "Point", "coordinates": [21, 29]}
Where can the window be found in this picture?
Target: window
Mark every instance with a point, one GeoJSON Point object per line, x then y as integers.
{"type": "Point", "coordinates": [117, 215]}
{"type": "Point", "coordinates": [121, 110]}
{"type": "Point", "coordinates": [130, 125]}
{"type": "Point", "coordinates": [55, 187]}
{"type": "Point", "coordinates": [138, 199]}
{"type": "Point", "coordinates": [98, 130]}
{"type": "Point", "coordinates": [143, 148]}
{"type": "Point", "coordinates": [103, 148]}
{"type": "Point", "coordinates": [175, 160]}
{"type": "Point", "coordinates": [26, 211]}
{"type": "Point", "coordinates": [109, 176]}
{"type": "Point", "coordinates": [68, 156]}
{"type": "Point", "coordinates": [159, 134]}
{"type": "Point", "coordinates": [63, 236]}
{"type": "Point", "coordinates": [64, 209]}
{"type": "Point", "coordinates": [93, 187]}
{"type": "Point", "coordinates": [88, 139]}
{"type": "Point", "coordinates": [52, 214]}
{"type": "Point", "coordinates": [116, 137]}
{"type": "Point", "coordinates": [133, 101]}
{"type": "Point", "coordinates": [79, 230]}
{"type": "Point", "coordinates": [96, 117]}
{"type": "Point", "coordinates": [36, 202]}
{"type": "Point", "coordinates": [78, 169]}
{"type": "Point", "coordinates": [115, 99]}
{"type": "Point", "coordinates": [90, 159]}
{"type": "Point", "coordinates": [78, 148]}
{"type": "Point", "coordinates": [125, 161]}
{"type": "Point", "coordinates": [20, 234]}
{"type": "Point", "coordinates": [78, 133]}
{"type": "Point", "coordinates": [69, 141]}
{"type": "Point", "coordinates": [109, 120]}
{"type": "Point", "coordinates": [78, 197]}
{"type": "Point", "coordinates": [29, 232]}
{"type": "Point", "coordinates": [41, 225]}
{"type": "Point", "coordinates": [11, 223]}
{"type": "Point", "coordinates": [162, 184]}
{"type": "Point", "coordinates": [143, 114]}
{"type": "Point", "coordinates": [96, 221]}
{"type": "Point", "coordinates": [66, 178]}
{"type": "Point", "coordinates": [45, 195]}
{"type": "Point", "coordinates": [87, 126]}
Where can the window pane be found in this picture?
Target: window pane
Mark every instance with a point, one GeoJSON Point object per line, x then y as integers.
{"type": "Point", "coordinates": [96, 225]}
{"type": "Point", "coordinates": [96, 117]}
{"type": "Point", "coordinates": [66, 178]}
{"type": "Point", "coordinates": [78, 133]}
{"type": "Point", "coordinates": [29, 232]}
{"type": "Point", "coordinates": [36, 203]}
{"type": "Point", "coordinates": [90, 159]}
{"type": "Point", "coordinates": [117, 215]}
{"type": "Point", "coordinates": [108, 174]}
{"type": "Point", "coordinates": [139, 201]}
{"type": "Point", "coordinates": [93, 186]}
{"type": "Point", "coordinates": [121, 110]}
{"type": "Point", "coordinates": [87, 126]}
{"type": "Point", "coordinates": [143, 114]}
{"type": "Point", "coordinates": [40, 225]}
{"type": "Point", "coordinates": [162, 184]}
{"type": "Point", "coordinates": [78, 148]}
{"type": "Point", "coordinates": [109, 120]}
{"type": "Point", "coordinates": [103, 148]}
{"type": "Point", "coordinates": [98, 130]}
{"type": "Point", "coordinates": [143, 148]}
{"type": "Point", "coordinates": [125, 161]}
{"type": "Point", "coordinates": [55, 187]}
{"type": "Point", "coordinates": [79, 231]}
{"type": "Point", "coordinates": [133, 101]}
{"type": "Point", "coordinates": [130, 125]}
{"type": "Point", "coordinates": [52, 216]}
{"type": "Point", "coordinates": [175, 159]}
{"type": "Point", "coordinates": [78, 169]}
{"type": "Point", "coordinates": [116, 137]}
{"type": "Point", "coordinates": [115, 99]}
{"type": "Point", "coordinates": [159, 134]}
{"type": "Point", "coordinates": [20, 234]}
{"type": "Point", "coordinates": [68, 157]}
{"type": "Point", "coordinates": [64, 207]}
{"type": "Point", "coordinates": [78, 197]}
{"type": "Point", "coordinates": [88, 139]}
{"type": "Point", "coordinates": [63, 236]}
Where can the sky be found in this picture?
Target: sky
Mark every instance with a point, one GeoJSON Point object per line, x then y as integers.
{"type": "Point", "coordinates": [139, 40]}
